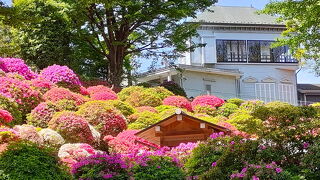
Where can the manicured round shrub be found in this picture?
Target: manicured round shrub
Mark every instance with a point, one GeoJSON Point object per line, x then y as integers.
{"type": "Point", "coordinates": [227, 109]}
{"type": "Point", "coordinates": [243, 121]}
{"type": "Point", "coordinates": [126, 92]}
{"type": "Point", "coordinates": [178, 101]}
{"type": "Point", "coordinates": [57, 94]}
{"type": "Point", "coordinates": [174, 88]}
{"type": "Point", "coordinates": [126, 143]}
{"type": "Point", "coordinates": [42, 85]}
{"type": "Point", "coordinates": [104, 96]}
{"type": "Point", "coordinates": [12, 108]}
{"type": "Point", "coordinates": [316, 105]}
{"type": "Point", "coordinates": [158, 167]}
{"type": "Point", "coordinates": [236, 101]}
{"type": "Point", "coordinates": [57, 73]}
{"type": "Point", "coordinates": [125, 108]}
{"type": "Point", "coordinates": [28, 133]}
{"type": "Point", "coordinates": [43, 113]}
{"type": "Point", "coordinates": [51, 138]}
{"type": "Point", "coordinates": [143, 98]}
{"type": "Point", "coordinates": [15, 65]}
{"type": "Point", "coordinates": [163, 108]}
{"type": "Point", "coordinates": [8, 135]}
{"type": "Point", "coordinates": [206, 109]}
{"type": "Point", "coordinates": [161, 92]}
{"type": "Point", "coordinates": [101, 166]}
{"type": "Point", "coordinates": [5, 117]}
{"type": "Point", "coordinates": [73, 153]}
{"type": "Point", "coordinates": [72, 127]}
{"type": "Point", "coordinates": [21, 92]}
{"type": "Point", "coordinates": [146, 108]}
{"type": "Point", "coordinates": [145, 119]}
{"type": "Point", "coordinates": [211, 119]}
{"type": "Point", "coordinates": [25, 160]}
{"type": "Point", "coordinates": [251, 105]}
{"type": "Point", "coordinates": [98, 89]}
{"type": "Point", "coordinates": [105, 118]}
{"type": "Point", "coordinates": [207, 100]}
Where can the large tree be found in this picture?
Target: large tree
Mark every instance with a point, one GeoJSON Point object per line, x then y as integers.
{"type": "Point", "coordinates": [117, 29]}
{"type": "Point", "coordinates": [302, 18]}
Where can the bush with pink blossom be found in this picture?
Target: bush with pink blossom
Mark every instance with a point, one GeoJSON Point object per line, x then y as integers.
{"type": "Point", "coordinates": [72, 127]}
{"type": "Point", "coordinates": [8, 135]}
{"type": "Point", "coordinates": [57, 94]}
{"type": "Point", "coordinates": [57, 73]}
{"type": "Point", "coordinates": [5, 117]}
{"type": "Point", "coordinates": [99, 88]}
{"type": "Point", "coordinates": [104, 96]}
{"type": "Point", "coordinates": [21, 92]}
{"type": "Point", "coordinates": [28, 133]}
{"type": "Point", "coordinates": [207, 100]}
{"type": "Point", "coordinates": [51, 138]}
{"type": "Point", "coordinates": [73, 153]}
{"type": "Point", "coordinates": [12, 107]}
{"type": "Point", "coordinates": [42, 85]}
{"type": "Point", "coordinates": [105, 118]}
{"type": "Point", "coordinates": [146, 108]}
{"type": "Point", "coordinates": [126, 92]}
{"type": "Point", "coordinates": [178, 101]}
{"type": "Point", "coordinates": [126, 142]}
{"type": "Point", "coordinates": [16, 65]}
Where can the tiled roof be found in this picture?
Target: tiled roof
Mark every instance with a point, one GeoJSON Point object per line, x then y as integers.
{"type": "Point", "coordinates": [308, 86]}
{"type": "Point", "coordinates": [235, 15]}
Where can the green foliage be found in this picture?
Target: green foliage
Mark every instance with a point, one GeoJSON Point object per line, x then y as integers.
{"type": "Point", "coordinates": [211, 119]}
{"type": "Point", "coordinates": [227, 108]}
{"type": "Point", "coordinates": [162, 108]}
{"type": "Point", "coordinates": [144, 98]}
{"type": "Point", "coordinates": [302, 33]}
{"type": "Point", "coordinates": [125, 108]}
{"type": "Point", "coordinates": [158, 168]}
{"type": "Point", "coordinates": [24, 160]}
{"type": "Point", "coordinates": [243, 121]}
{"type": "Point", "coordinates": [13, 108]}
{"type": "Point", "coordinates": [126, 92]}
{"type": "Point", "coordinates": [211, 111]}
{"type": "Point", "coordinates": [311, 162]}
{"type": "Point", "coordinates": [174, 88]}
{"type": "Point", "coordinates": [161, 92]}
{"type": "Point", "coordinates": [251, 105]}
{"type": "Point", "coordinates": [145, 119]}
{"type": "Point", "coordinates": [236, 101]}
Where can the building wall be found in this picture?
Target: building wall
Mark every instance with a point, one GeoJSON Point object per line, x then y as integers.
{"type": "Point", "coordinates": [222, 86]}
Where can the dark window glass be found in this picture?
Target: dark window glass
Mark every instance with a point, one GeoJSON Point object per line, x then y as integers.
{"type": "Point", "coordinates": [231, 51]}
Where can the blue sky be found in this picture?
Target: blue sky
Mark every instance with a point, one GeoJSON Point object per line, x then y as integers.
{"type": "Point", "coordinates": [304, 76]}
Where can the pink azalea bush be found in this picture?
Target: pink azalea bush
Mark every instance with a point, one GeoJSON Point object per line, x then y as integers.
{"type": "Point", "coordinates": [126, 142]}
{"type": "Point", "coordinates": [178, 101]}
{"type": "Point", "coordinates": [99, 88]}
{"type": "Point", "coordinates": [29, 133]}
{"type": "Point", "coordinates": [104, 96]}
{"type": "Point", "coordinates": [5, 117]}
{"type": "Point", "coordinates": [105, 118]}
{"type": "Point", "coordinates": [257, 172]}
{"type": "Point", "coordinates": [16, 65]}
{"type": "Point", "coordinates": [72, 127]}
{"type": "Point", "coordinates": [57, 73]}
{"type": "Point", "coordinates": [207, 100]}
{"type": "Point", "coordinates": [56, 94]}
{"type": "Point", "coordinates": [73, 153]}
{"type": "Point", "coordinates": [146, 108]}
{"type": "Point", "coordinates": [7, 135]}
{"type": "Point", "coordinates": [21, 92]}
{"type": "Point", "coordinates": [41, 84]}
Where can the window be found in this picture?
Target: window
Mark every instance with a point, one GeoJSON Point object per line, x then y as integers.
{"type": "Point", "coordinates": [286, 93]}
{"type": "Point", "coordinates": [208, 89]}
{"type": "Point", "coordinates": [259, 51]}
{"type": "Point", "coordinates": [265, 91]}
{"type": "Point", "coordinates": [231, 51]}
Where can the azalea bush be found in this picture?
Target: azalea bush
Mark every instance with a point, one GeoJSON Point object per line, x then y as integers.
{"type": "Point", "coordinates": [15, 65]}
{"type": "Point", "coordinates": [42, 85]}
{"type": "Point", "coordinates": [227, 109]}
{"type": "Point", "coordinates": [13, 108]}
{"type": "Point", "coordinates": [174, 88]}
{"type": "Point", "coordinates": [51, 138]}
{"type": "Point", "coordinates": [159, 91]}
{"type": "Point", "coordinates": [57, 94]}
{"type": "Point", "coordinates": [98, 89]}
{"type": "Point", "coordinates": [144, 120]}
{"type": "Point", "coordinates": [178, 101]}
{"type": "Point", "coordinates": [144, 98]}
{"type": "Point", "coordinates": [126, 92]}
{"type": "Point", "coordinates": [125, 108]}
{"type": "Point", "coordinates": [146, 108]}
{"type": "Point", "coordinates": [28, 133]}
{"type": "Point", "coordinates": [57, 73]}
{"type": "Point", "coordinates": [5, 117]}
{"type": "Point", "coordinates": [207, 100]}
{"type": "Point", "coordinates": [104, 96]}
{"type": "Point", "coordinates": [72, 127]}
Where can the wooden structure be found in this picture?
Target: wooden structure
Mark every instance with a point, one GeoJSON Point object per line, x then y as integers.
{"type": "Point", "coordinates": [179, 128]}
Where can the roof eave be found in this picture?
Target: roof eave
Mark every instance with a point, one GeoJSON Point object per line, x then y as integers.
{"type": "Point", "coordinates": [238, 24]}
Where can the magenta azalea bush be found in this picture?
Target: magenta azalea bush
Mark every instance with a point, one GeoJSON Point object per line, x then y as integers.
{"type": "Point", "coordinates": [98, 89]}
{"type": "Point", "coordinates": [104, 96]}
{"type": "Point", "coordinates": [207, 100]}
{"type": "Point", "coordinates": [178, 101]}
{"type": "Point", "coordinates": [15, 65]}
{"type": "Point", "coordinates": [5, 117]}
{"type": "Point", "coordinates": [57, 73]}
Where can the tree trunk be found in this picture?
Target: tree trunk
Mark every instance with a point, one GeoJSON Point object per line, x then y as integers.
{"type": "Point", "coordinates": [115, 68]}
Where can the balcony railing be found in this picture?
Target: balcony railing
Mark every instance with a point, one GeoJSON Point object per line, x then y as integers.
{"type": "Point", "coordinates": [243, 58]}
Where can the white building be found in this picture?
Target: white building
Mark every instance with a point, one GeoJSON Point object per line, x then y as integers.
{"type": "Point", "coordinates": [237, 60]}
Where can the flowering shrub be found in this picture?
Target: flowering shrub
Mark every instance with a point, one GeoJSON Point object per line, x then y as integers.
{"type": "Point", "coordinates": [126, 92]}
{"type": "Point", "coordinates": [72, 127]}
{"type": "Point", "coordinates": [227, 109]}
{"type": "Point", "coordinates": [106, 119]}
{"type": "Point", "coordinates": [21, 92]}
{"type": "Point", "coordinates": [178, 101]}
{"type": "Point", "coordinates": [101, 166]}
{"type": "Point", "coordinates": [24, 160]}
{"type": "Point", "coordinates": [42, 85]}
{"type": "Point", "coordinates": [56, 94]}
{"type": "Point", "coordinates": [125, 108]}
{"type": "Point", "coordinates": [174, 88]}
{"type": "Point", "coordinates": [43, 113]}
{"type": "Point", "coordinates": [311, 161]}
{"type": "Point", "coordinates": [243, 121]}
{"type": "Point", "coordinates": [98, 89]}
{"type": "Point", "coordinates": [251, 105]}
{"type": "Point", "coordinates": [29, 133]}
{"type": "Point", "coordinates": [143, 98]}
{"type": "Point", "coordinates": [163, 108]}
{"type": "Point", "coordinates": [51, 138]}
{"type": "Point", "coordinates": [144, 120]}
{"type": "Point", "coordinates": [56, 73]}
{"type": "Point", "coordinates": [16, 66]}
{"type": "Point", "coordinates": [5, 117]}
{"type": "Point", "coordinates": [235, 101]}
{"type": "Point", "coordinates": [8, 135]}
{"type": "Point", "coordinates": [12, 107]}
{"type": "Point", "coordinates": [146, 108]}
{"type": "Point", "coordinates": [158, 167]}
{"type": "Point", "coordinates": [73, 153]}
{"type": "Point", "coordinates": [207, 100]}
{"type": "Point", "coordinates": [126, 142]}
{"type": "Point", "coordinates": [104, 96]}
{"type": "Point", "coordinates": [159, 91]}
{"type": "Point", "coordinates": [233, 130]}
{"type": "Point", "coordinates": [209, 110]}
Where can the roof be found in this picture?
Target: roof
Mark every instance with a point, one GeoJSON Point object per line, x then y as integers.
{"type": "Point", "coordinates": [235, 15]}
{"type": "Point", "coordinates": [308, 87]}
{"type": "Point", "coordinates": [182, 113]}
